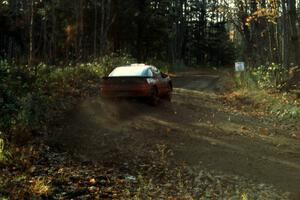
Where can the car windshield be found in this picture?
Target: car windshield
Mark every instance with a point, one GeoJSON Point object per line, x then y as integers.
{"type": "Point", "coordinates": [131, 71]}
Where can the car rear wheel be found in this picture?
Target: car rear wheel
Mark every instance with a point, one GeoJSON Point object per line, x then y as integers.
{"type": "Point", "coordinates": [154, 99]}
{"type": "Point", "coordinates": [168, 96]}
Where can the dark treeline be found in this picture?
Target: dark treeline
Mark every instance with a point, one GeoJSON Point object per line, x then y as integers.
{"type": "Point", "coordinates": [193, 32]}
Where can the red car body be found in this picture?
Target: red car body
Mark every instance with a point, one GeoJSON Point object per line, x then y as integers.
{"type": "Point", "coordinates": [137, 80]}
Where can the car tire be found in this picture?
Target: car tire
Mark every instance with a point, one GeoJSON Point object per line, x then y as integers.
{"type": "Point", "coordinates": [154, 99]}
{"type": "Point", "coordinates": [168, 96]}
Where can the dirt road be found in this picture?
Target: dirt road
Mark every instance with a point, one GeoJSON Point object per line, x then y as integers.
{"type": "Point", "coordinates": [199, 128]}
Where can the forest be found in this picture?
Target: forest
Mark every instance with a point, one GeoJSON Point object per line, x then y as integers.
{"type": "Point", "coordinates": [223, 134]}
{"type": "Point", "coordinates": [189, 32]}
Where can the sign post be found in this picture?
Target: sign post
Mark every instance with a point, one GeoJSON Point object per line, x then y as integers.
{"type": "Point", "coordinates": [239, 66]}
{"type": "Point", "coordinates": [240, 72]}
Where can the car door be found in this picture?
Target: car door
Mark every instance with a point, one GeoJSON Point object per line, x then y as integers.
{"type": "Point", "coordinates": [166, 83]}
{"type": "Point", "coordinates": [161, 82]}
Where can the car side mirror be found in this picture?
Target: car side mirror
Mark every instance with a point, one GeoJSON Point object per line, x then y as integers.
{"type": "Point", "coordinates": [163, 75]}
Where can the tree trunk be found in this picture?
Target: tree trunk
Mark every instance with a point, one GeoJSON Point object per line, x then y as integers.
{"type": "Point", "coordinates": [140, 28]}
{"type": "Point", "coordinates": [102, 27]}
{"type": "Point", "coordinates": [45, 57]}
{"type": "Point", "coordinates": [285, 44]}
{"type": "Point", "coordinates": [95, 28]}
{"type": "Point", "coordinates": [31, 34]}
{"type": "Point", "coordinates": [53, 36]}
{"type": "Point", "coordinates": [294, 39]}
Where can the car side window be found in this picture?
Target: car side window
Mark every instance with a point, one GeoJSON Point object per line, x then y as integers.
{"type": "Point", "coordinates": [149, 73]}
{"type": "Point", "coordinates": [156, 72]}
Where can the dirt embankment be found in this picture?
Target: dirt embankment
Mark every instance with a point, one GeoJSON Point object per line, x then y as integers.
{"type": "Point", "coordinates": [199, 127]}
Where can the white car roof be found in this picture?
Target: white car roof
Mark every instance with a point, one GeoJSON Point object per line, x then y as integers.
{"type": "Point", "coordinates": [132, 70]}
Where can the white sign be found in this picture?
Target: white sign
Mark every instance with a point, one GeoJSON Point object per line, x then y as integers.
{"type": "Point", "coordinates": [239, 66]}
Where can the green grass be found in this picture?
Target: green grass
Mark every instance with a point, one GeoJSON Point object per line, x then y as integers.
{"type": "Point", "coordinates": [262, 88]}
{"type": "Point", "coordinates": [280, 104]}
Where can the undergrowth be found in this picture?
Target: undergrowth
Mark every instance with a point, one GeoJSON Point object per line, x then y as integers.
{"type": "Point", "coordinates": [31, 97]}
{"type": "Point", "coordinates": [266, 84]}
